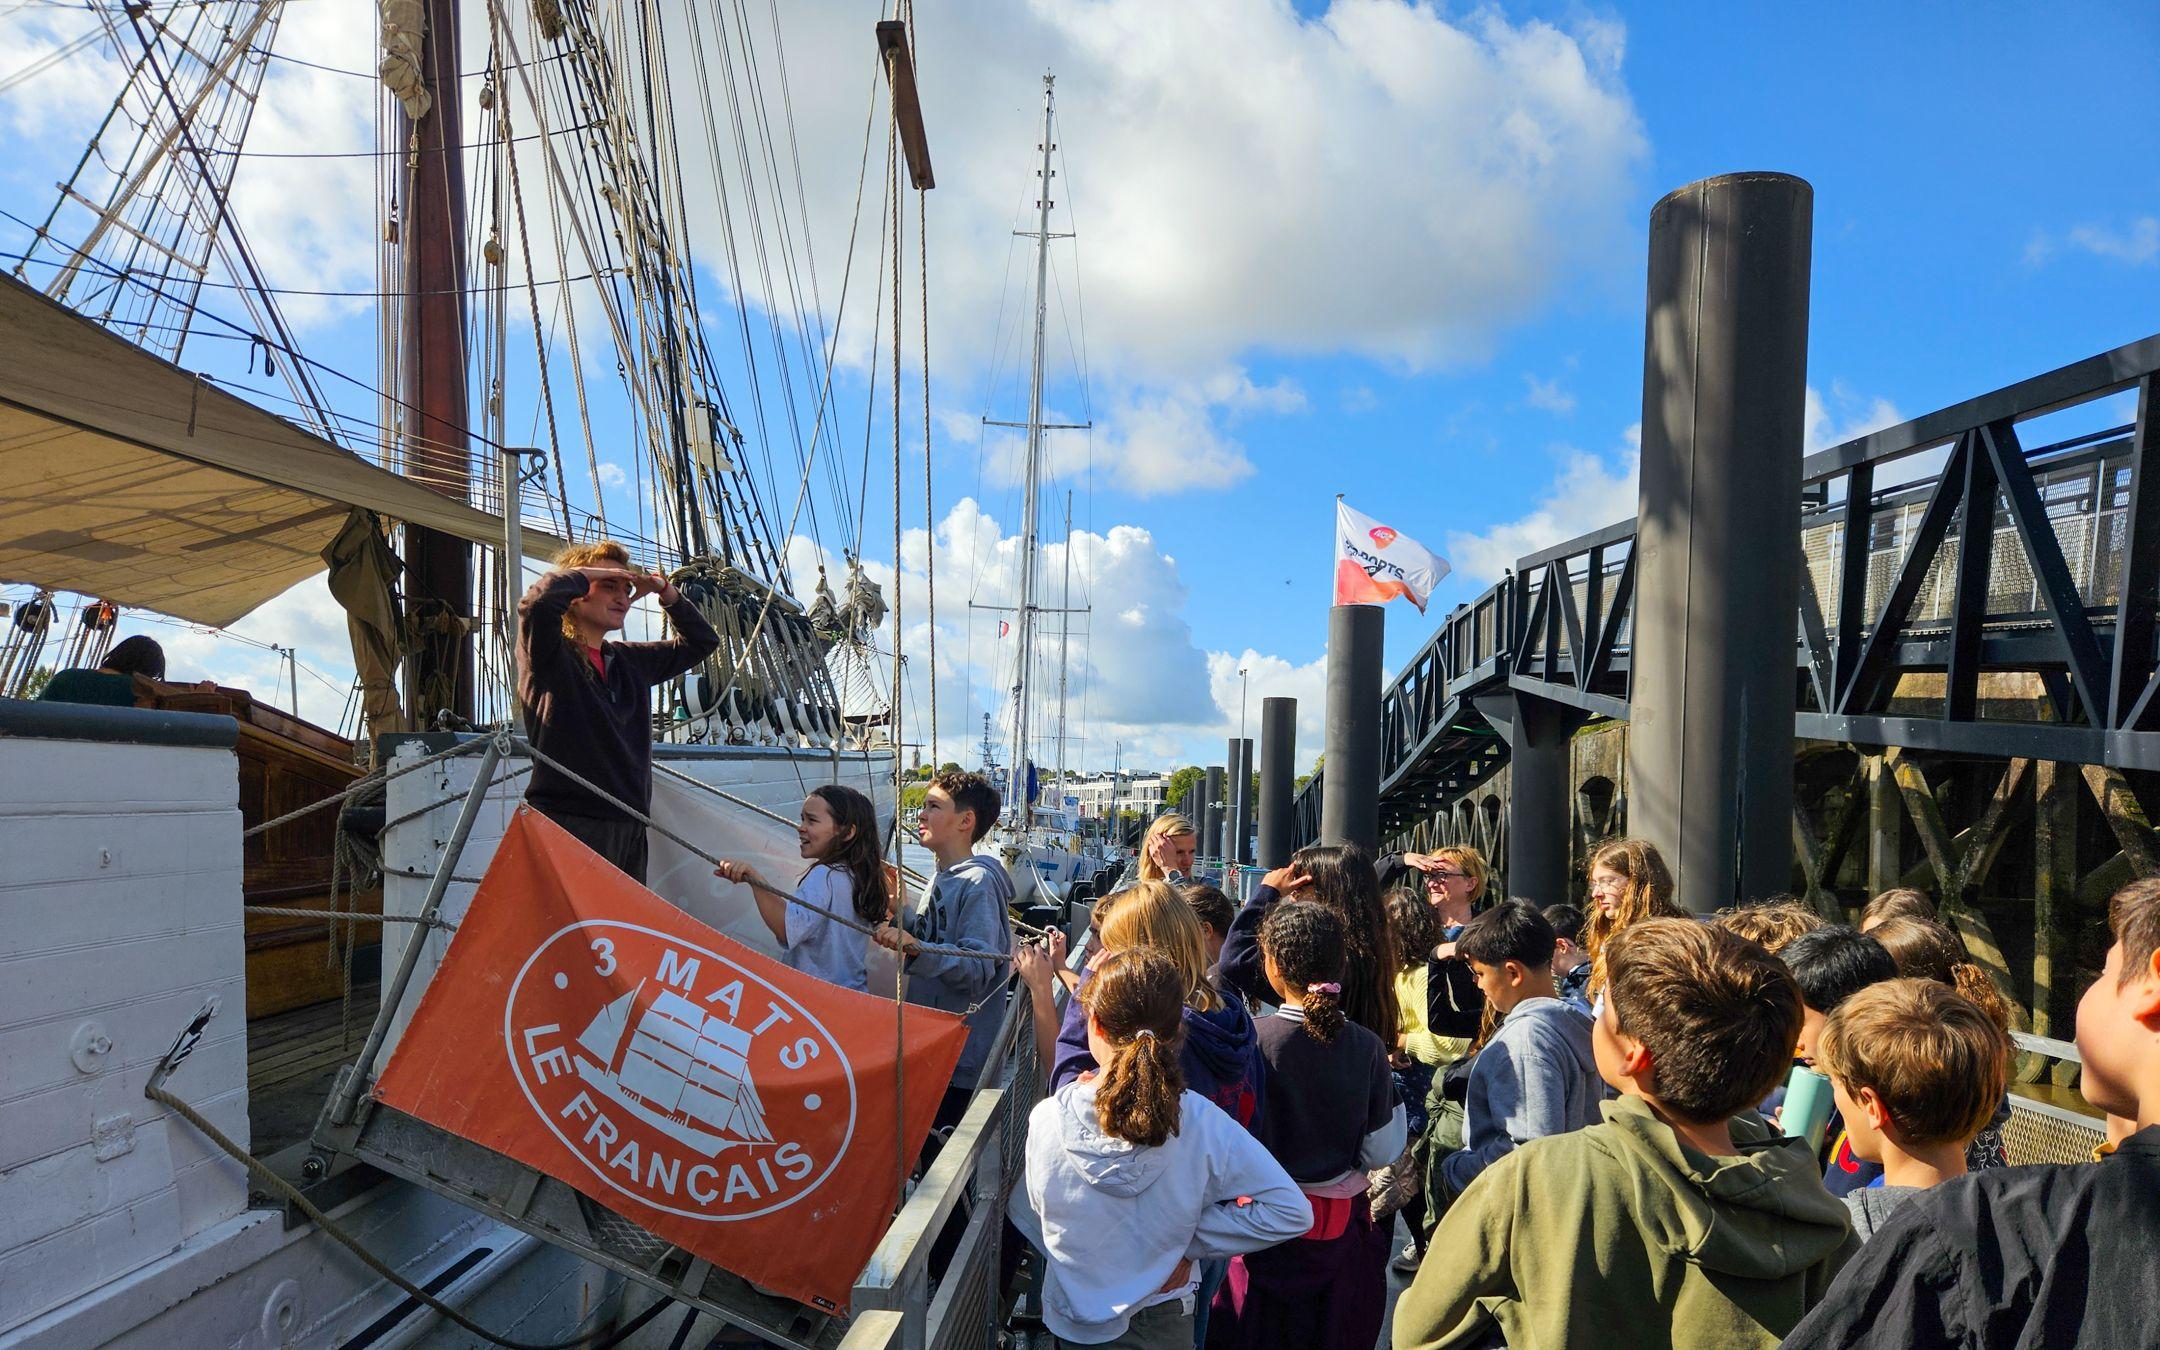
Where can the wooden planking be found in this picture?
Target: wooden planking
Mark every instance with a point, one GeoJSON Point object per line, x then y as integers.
{"type": "Point", "coordinates": [121, 910]}
{"type": "Point", "coordinates": [77, 1238]}
{"type": "Point", "coordinates": [44, 778]}
{"type": "Point", "coordinates": [49, 1123]}
{"type": "Point", "coordinates": [36, 1056]}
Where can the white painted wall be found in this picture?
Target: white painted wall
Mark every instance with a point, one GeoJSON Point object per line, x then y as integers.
{"type": "Point", "coordinates": [772, 778]}
{"type": "Point", "coordinates": [119, 916]}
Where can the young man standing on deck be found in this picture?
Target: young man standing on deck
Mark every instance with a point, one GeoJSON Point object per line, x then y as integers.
{"type": "Point", "coordinates": [966, 908]}
{"type": "Point", "coordinates": [588, 700]}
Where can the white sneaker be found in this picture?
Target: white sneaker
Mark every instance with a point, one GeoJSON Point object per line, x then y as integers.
{"type": "Point", "coordinates": [1408, 1258]}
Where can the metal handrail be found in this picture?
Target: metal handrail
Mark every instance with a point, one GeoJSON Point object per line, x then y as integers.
{"type": "Point", "coordinates": [977, 1165]}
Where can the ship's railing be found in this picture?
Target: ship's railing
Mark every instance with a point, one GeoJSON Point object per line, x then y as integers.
{"type": "Point", "coordinates": [895, 1305]}
{"type": "Point", "coordinates": [2040, 1131]}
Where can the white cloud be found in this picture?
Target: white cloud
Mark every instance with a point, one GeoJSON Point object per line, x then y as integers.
{"type": "Point", "coordinates": [1359, 399]}
{"type": "Point", "coordinates": [612, 475]}
{"type": "Point", "coordinates": [1137, 677]}
{"type": "Point", "coordinates": [2137, 244]}
{"type": "Point", "coordinates": [1202, 163]}
{"type": "Point", "coordinates": [1548, 394]}
{"type": "Point", "coordinates": [1844, 415]}
{"type": "Point", "coordinates": [304, 618]}
{"type": "Point", "coordinates": [1155, 443]}
{"type": "Point", "coordinates": [1591, 490]}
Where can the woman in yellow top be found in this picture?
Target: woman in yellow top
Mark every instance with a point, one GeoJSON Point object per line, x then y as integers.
{"type": "Point", "coordinates": [1440, 1012]}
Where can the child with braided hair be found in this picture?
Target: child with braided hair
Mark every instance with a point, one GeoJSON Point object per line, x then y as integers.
{"type": "Point", "coordinates": [1332, 1117]}
{"type": "Point", "coordinates": [1132, 1181]}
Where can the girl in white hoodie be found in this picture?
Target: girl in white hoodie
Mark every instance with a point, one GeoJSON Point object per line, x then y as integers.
{"type": "Point", "coordinates": [1132, 1181]}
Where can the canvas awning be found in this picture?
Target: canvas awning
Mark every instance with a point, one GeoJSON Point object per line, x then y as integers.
{"type": "Point", "coordinates": [125, 477]}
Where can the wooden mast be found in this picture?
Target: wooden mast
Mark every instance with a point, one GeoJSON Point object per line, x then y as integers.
{"type": "Point", "coordinates": [432, 365]}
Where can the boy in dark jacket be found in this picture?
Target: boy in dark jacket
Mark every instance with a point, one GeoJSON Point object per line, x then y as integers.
{"type": "Point", "coordinates": [1682, 1219]}
{"type": "Point", "coordinates": [2040, 1255]}
{"type": "Point", "coordinates": [588, 700]}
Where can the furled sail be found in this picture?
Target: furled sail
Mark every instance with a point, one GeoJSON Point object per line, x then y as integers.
{"type": "Point", "coordinates": [129, 478]}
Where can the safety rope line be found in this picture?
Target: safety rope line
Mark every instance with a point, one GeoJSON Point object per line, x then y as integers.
{"type": "Point", "coordinates": [361, 784]}
{"type": "Point", "coordinates": [642, 818]}
{"type": "Point", "coordinates": [350, 916]}
{"type": "Point", "coordinates": [292, 1195]}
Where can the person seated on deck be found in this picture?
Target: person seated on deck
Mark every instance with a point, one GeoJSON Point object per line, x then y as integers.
{"type": "Point", "coordinates": [967, 908]}
{"type": "Point", "coordinates": [1682, 1220]}
{"type": "Point", "coordinates": [838, 833]}
{"type": "Point", "coordinates": [588, 700]}
{"type": "Point", "coordinates": [1918, 1071]}
{"type": "Point", "coordinates": [123, 679]}
{"type": "Point", "coordinates": [2047, 1254]}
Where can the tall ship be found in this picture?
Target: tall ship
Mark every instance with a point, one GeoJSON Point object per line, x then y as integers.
{"type": "Point", "coordinates": [589, 309]}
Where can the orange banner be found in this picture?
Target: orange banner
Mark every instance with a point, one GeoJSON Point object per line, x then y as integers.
{"type": "Point", "coordinates": [584, 1026]}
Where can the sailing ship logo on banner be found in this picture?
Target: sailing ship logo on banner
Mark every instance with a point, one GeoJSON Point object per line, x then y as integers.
{"type": "Point", "coordinates": [679, 1070]}
{"type": "Point", "coordinates": [680, 1078]}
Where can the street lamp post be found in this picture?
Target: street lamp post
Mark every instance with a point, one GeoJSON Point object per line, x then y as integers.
{"type": "Point", "coordinates": [1244, 687]}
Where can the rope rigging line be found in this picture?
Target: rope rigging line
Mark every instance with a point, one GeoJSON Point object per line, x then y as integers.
{"type": "Point", "coordinates": [294, 1196]}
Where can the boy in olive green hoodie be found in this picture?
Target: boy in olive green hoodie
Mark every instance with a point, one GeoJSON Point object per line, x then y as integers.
{"type": "Point", "coordinates": [1683, 1219]}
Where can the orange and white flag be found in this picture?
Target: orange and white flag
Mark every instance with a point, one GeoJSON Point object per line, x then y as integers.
{"type": "Point", "coordinates": [1374, 563]}
{"type": "Point", "coordinates": [744, 1111]}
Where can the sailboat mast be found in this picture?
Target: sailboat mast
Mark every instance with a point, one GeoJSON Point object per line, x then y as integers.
{"type": "Point", "coordinates": [1025, 815]}
{"type": "Point", "coordinates": [432, 364]}
{"type": "Point", "coordinates": [1064, 642]}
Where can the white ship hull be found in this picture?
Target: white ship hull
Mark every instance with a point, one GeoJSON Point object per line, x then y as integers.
{"type": "Point", "coordinates": [119, 1224]}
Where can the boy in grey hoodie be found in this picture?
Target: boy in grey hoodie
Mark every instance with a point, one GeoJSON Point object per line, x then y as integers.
{"type": "Point", "coordinates": [966, 908]}
{"type": "Point", "coordinates": [1681, 1220]}
{"type": "Point", "coordinates": [1537, 1076]}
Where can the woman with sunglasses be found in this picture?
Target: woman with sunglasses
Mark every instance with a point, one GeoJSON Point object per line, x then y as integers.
{"type": "Point", "coordinates": [1454, 879]}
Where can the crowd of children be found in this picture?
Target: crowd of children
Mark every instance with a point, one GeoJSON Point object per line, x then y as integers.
{"type": "Point", "coordinates": [1592, 1122]}
{"type": "Point", "coordinates": [1604, 1126]}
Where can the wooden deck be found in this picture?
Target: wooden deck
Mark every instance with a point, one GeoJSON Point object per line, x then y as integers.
{"type": "Point", "coordinates": [293, 1058]}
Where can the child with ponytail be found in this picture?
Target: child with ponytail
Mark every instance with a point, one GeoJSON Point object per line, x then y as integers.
{"type": "Point", "coordinates": [1132, 1181]}
{"type": "Point", "coordinates": [1332, 1117]}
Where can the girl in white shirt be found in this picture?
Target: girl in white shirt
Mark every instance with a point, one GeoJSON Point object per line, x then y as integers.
{"type": "Point", "coordinates": [1132, 1181]}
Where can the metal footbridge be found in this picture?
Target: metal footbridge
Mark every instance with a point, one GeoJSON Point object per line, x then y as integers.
{"type": "Point", "coordinates": [1973, 583]}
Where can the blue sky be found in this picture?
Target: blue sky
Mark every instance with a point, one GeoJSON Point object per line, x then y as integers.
{"type": "Point", "coordinates": [1394, 252]}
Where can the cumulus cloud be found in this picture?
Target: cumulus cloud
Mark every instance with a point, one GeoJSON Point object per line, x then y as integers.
{"type": "Point", "coordinates": [1154, 443]}
{"type": "Point", "coordinates": [1137, 678]}
{"type": "Point", "coordinates": [1844, 415]}
{"type": "Point", "coordinates": [1200, 160]}
{"type": "Point", "coordinates": [304, 618]}
{"type": "Point", "coordinates": [612, 475]}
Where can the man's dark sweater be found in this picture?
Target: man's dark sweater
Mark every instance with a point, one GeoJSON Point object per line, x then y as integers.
{"type": "Point", "coordinates": [599, 728]}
